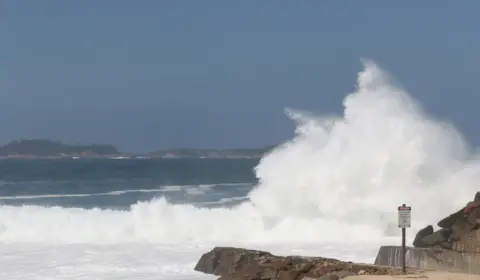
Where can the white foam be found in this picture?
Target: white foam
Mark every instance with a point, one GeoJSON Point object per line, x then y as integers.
{"type": "Point", "coordinates": [356, 169]}
{"type": "Point", "coordinates": [140, 261]}
{"type": "Point", "coordinates": [338, 179]}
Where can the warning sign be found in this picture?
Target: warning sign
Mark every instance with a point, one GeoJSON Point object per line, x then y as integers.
{"type": "Point", "coordinates": [404, 216]}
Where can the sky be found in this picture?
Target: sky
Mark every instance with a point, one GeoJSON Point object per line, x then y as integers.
{"type": "Point", "coordinates": [147, 75]}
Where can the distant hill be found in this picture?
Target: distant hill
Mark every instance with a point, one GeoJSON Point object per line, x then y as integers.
{"type": "Point", "coordinates": [42, 147]}
{"type": "Point", "coordinates": [212, 153]}
{"type": "Point", "coordinates": [47, 148]}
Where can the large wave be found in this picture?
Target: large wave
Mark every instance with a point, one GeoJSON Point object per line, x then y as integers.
{"type": "Point", "coordinates": [338, 178]}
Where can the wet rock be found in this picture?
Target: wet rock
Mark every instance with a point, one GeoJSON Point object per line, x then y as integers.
{"type": "Point", "coordinates": [236, 263]}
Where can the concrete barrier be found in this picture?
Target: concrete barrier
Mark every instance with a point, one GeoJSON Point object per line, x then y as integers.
{"type": "Point", "coordinates": [430, 259]}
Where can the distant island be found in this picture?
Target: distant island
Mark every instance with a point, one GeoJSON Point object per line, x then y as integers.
{"type": "Point", "coordinates": [46, 148]}
{"type": "Point", "coordinates": [212, 153]}
{"type": "Point", "coordinates": [43, 148]}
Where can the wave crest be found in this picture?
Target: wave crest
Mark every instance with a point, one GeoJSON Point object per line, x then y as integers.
{"type": "Point", "coordinates": [338, 178]}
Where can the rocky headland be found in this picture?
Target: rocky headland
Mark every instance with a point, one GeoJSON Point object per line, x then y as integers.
{"type": "Point", "coordinates": [31, 148]}
{"type": "Point", "coordinates": [455, 229]}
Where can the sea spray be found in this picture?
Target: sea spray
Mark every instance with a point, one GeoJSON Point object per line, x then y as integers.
{"type": "Point", "coordinates": [340, 178]}
{"type": "Point", "coordinates": [384, 151]}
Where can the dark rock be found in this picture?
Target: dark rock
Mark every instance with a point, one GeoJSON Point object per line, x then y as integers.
{"type": "Point", "coordinates": [449, 221]}
{"type": "Point", "coordinates": [235, 264]}
{"type": "Point", "coordinates": [477, 197]}
{"type": "Point", "coordinates": [424, 232]}
{"type": "Point", "coordinates": [459, 224]}
{"type": "Point", "coordinates": [436, 238]}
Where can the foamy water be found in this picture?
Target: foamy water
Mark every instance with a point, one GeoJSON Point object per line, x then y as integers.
{"type": "Point", "coordinates": [331, 191]}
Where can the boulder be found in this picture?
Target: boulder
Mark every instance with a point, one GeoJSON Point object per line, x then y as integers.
{"type": "Point", "coordinates": [456, 217]}
{"type": "Point", "coordinates": [449, 221]}
{"type": "Point", "coordinates": [236, 263]}
{"type": "Point", "coordinates": [456, 246]}
{"type": "Point", "coordinates": [424, 232]}
{"type": "Point", "coordinates": [453, 227]}
{"type": "Point", "coordinates": [436, 238]}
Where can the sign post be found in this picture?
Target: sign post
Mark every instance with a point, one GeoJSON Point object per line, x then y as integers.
{"type": "Point", "coordinates": [404, 221]}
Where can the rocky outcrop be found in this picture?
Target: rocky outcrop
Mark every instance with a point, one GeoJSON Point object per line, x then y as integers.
{"type": "Point", "coordinates": [453, 247]}
{"type": "Point", "coordinates": [236, 263]}
{"type": "Point", "coordinates": [453, 229]}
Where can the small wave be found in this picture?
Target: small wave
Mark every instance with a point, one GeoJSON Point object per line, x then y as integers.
{"type": "Point", "coordinates": [189, 189]}
{"type": "Point", "coordinates": [17, 197]}
{"type": "Point", "coordinates": [195, 191]}
{"type": "Point", "coordinates": [224, 201]}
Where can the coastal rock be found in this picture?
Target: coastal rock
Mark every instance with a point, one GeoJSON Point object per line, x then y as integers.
{"type": "Point", "coordinates": [454, 247]}
{"type": "Point", "coordinates": [438, 237]}
{"type": "Point", "coordinates": [449, 221]}
{"type": "Point", "coordinates": [424, 232]}
{"type": "Point", "coordinates": [236, 263]}
{"type": "Point", "coordinates": [453, 228]}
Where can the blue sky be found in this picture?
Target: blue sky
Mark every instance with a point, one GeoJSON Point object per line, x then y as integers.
{"type": "Point", "coordinates": [147, 75]}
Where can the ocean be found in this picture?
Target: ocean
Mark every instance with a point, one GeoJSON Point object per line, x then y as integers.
{"type": "Point", "coordinates": [333, 191]}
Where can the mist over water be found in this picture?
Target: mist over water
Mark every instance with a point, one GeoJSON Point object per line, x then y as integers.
{"type": "Point", "coordinates": [339, 178]}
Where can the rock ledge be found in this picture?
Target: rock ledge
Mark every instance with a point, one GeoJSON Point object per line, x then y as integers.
{"type": "Point", "coordinates": [236, 263]}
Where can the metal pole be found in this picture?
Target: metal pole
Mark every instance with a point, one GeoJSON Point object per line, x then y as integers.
{"type": "Point", "coordinates": [404, 269]}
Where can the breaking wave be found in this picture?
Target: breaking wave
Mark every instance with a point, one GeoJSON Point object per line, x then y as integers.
{"type": "Point", "coordinates": [338, 178]}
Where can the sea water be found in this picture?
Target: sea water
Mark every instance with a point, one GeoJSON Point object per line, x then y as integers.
{"type": "Point", "coordinates": [333, 190]}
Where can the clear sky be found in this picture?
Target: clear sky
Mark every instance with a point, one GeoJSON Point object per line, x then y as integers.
{"type": "Point", "coordinates": [146, 75]}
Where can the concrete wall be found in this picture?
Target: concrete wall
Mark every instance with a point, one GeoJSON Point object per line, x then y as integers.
{"type": "Point", "coordinates": [432, 258]}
